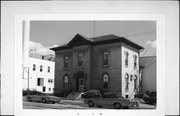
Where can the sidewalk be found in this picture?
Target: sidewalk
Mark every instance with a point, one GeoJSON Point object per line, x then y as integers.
{"type": "Point", "coordinates": [73, 102]}
{"type": "Point", "coordinates": [81, 103]}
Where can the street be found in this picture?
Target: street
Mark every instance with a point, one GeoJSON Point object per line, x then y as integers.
{"type": "Point", "coordinates": [36, 105]}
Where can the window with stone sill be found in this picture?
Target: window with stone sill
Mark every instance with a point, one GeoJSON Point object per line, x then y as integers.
{"type": "Point", "coordinates": [126, 82]}
{"type": "Point", "coordinates": [48, 69]}
{"type": "Point", "coordinates": [40, 81]}
{"type": "Point", "coordinates": [105, 59]}
{"type": "Point", "coordinates": [65, 81]}
{"type": "Point", "coordinates": [135, 82]}
{"type": "Point", "coordinates": [80, 59]}
{"type": "Point", "coordinates": [105, 81]}
{"type": "Point", "coordinates": [34, 67]}
{"type": "Point", "coordinates": [135, 62]}
{"type": "Point", "coordinates": [126, 58]}
{"type": "Point", "coordinates": [50, 80]}
{"type": "Point", "coordinates": [66, 62]}
{"type": "Point", "coordinates": [41, 68]}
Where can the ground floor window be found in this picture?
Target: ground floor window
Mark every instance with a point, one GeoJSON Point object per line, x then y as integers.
{"type": "Point", "coordinates": [44, 89]}
{"type": "Point", "coordinates": [65, 81]}
{"type": "Point", "coordinates": [126, 82]}
{"type": "Point", "coordinates": [135, 82]}
{"type": "Point", "coordinates": [127, 96]}
{"type": "Point", "coordinates": [40, 81]}
{"type": "Point", "coordinates": [105, 81]}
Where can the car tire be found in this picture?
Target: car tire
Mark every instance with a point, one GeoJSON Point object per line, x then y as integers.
{"type": "Point", "coordinates": [99, 106]}
{"type": "Point", "coordinates": [117, 105]}
{"type": "Point", "coordinates": [90, 103]}
{"type": "Point", "coordinates": [126, 107]}
{"type": "Point", "coordinates": [43, 100]}
{"type": "Point", "coordinates": [29, 99]}
{"type": "Point", "coordinates": [53, 102]}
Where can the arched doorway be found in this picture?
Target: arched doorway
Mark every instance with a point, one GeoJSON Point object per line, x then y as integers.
{"type": "Point", "coordinates": [80, 81]}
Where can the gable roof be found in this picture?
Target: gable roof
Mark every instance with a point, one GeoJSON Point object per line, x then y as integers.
{"type": "Point", "coordinates": [106, 39]}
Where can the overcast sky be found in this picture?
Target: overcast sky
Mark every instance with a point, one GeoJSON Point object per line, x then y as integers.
{"type": "Point", "coordinates": [46, 34]}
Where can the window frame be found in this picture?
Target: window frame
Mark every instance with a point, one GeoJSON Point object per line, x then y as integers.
{"type": "Point", "coordinates": [41, 68]}
{"type": "Point", "coordinates": [34, 67]}
{"type": "Point", "coordinates": [49, 69]}
{"type": "Point", "coordinates": [65, 84]}
{"type": "Point", "coordinates": [126, 81]}
{"type": "Point", "coordinates": [135, 82]}
{"type": "Point", "coordinates": [39, 82]}
{"type": "Point", "coordinates": [80, 58]}
{"type": "Point", "coordinates": [66, 61]}
{"type": "Point", "coordinates": [126, 58]}
{"type": "Point", "coordinates": [105, 84]}
{"type": "Point", "coordinates": [135, 61]}
{"type": "Point", "coordinates": [105, 58]}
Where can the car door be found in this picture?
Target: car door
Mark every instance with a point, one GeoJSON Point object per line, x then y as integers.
{"type": "Point", "coordinates": [38, 96]}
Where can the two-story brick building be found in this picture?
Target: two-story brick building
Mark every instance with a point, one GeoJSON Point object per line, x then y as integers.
{"type": "Point", "coordinates": [107, 62]}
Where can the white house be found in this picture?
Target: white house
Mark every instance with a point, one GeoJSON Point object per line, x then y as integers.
{"type": "Point", "coordinates": [38, 74]}
{"type": "Point", "coordinates": [130, 72]}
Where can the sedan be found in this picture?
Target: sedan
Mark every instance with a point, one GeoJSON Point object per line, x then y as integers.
{"type": "Point", "coordinates": [42, 97]}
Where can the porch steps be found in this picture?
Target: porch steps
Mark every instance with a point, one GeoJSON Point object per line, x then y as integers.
{"type": "Point", "coordinates": [74, 96]}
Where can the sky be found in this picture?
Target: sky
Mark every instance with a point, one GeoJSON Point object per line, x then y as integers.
{"type": "Point", "coordinates": [47, 34]}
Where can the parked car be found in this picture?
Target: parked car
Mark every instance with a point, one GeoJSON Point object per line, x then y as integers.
{"type": "Point", "coordinates": [91, 93]}
{"type": "Point", "coordinates": [111, 100]}
{"type": "Point", "coordinates": [149, 99]}
{"type": "Point", "coordinates": [42, 97]}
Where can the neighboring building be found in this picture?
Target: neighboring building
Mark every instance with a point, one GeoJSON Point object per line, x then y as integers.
{"type": "Point", "coordinates": [148, 73]}
{"type": "Point", "coordinates": [40, 73]}
{"type": "Point", "coordinates": [108, 63]}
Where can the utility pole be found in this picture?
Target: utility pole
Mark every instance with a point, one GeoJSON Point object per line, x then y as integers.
{"type": "Point", "coordinates": [27, 70]}
{"type": "Point", "coordinates": [94, 30]}
{"type": "Point", "coordinates": [28, 79]}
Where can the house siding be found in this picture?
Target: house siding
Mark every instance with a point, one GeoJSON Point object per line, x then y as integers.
{"type": "Point", "coordinates": [35, 74]}
{"type": "Point", "coordinates": [129, 70]}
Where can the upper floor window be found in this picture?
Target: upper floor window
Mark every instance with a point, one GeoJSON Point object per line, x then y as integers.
{"type": "Point", "coordinates": [105, 81]}
{"type": "Point", "coordinates": [135, 62]}
{"type": "Point", "coordinates": [66, 61]}
{"type": "Point", "coordinates": [105, 58]}
{"type": "Point", "coordinates": [48, 69]}
{"type": "Point", "coordinates": [126, 82]}
{"type": "Point", "coordinates": [80, 59]}
{"type": "Point", "coordinates": [41, 68]}
{"type": "Point", "coordinates": [34, 67]}
{"type": "Point", "coordinates": [50, 80]}
{"type": "Point", "coordinates": [126, 58]}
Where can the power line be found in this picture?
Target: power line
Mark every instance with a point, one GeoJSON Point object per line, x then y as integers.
{"type": "Point", "coordinates": [138, 34]}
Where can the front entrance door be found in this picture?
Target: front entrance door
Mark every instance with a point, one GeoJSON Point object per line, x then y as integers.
{"type": "Point", "coordinates": [81, 84]}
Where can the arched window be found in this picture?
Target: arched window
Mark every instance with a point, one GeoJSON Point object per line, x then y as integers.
{"type": "Point", "coordinates": [105, 81]}
{"type": "Point", "coordinates": [65, 81]}
{"type": "Point", "coordinates": [126, 82]}
{"type": "Point", "coordinates": [126, 58]}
